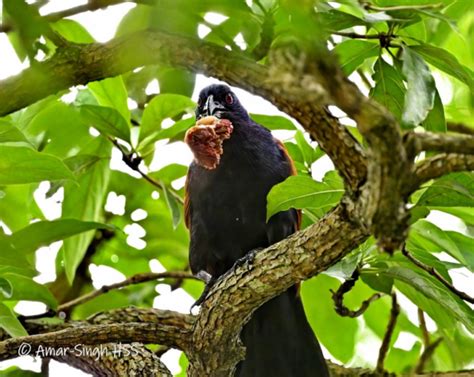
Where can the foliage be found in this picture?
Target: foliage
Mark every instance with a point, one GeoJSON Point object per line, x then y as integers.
{"type": "Point", "coordinates": [420, 73]}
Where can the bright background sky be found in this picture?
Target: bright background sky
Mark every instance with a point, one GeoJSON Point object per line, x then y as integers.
{"type": "Point", "coordinates": [102, 25]}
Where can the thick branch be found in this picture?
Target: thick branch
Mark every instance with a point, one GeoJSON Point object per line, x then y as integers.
{"type": "Point", "coordinates": [438, 166]}
{"type": "Point", "coordinates": [97, 334]}
{"type": "Point", "coordinates": [80, 64]}
{"type": "Point", "coordinates": [447, 143]}
{"type": "Point", "coordinates": [262, 276]}
{"type": "Point", "coordinates": [112, 359]}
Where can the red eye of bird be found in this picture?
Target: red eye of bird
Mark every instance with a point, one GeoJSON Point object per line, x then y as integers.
{"type": "Point", "coordinates": [229, 99]}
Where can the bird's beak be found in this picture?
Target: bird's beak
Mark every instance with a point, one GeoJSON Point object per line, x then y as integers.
{"type": "Point", "coordinates": [211, 107]}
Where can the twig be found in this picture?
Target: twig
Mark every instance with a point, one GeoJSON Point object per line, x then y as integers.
{"type": "Point", "coordinates": [460, 128]}
{"type": "Point", "coordinates": [423, 328]}
{"type": "Point", "coordinates": [338, 298]}
{"type": "Point", "coordinates": [135, 279]}
{"type": "Point", "coordinates": [429, 347]}
{"type": "Point", "coordinates": [388, 334]}
{"type": "Point", "coordinates": [359, 36]}
{"type": "Point", "coordinates": [133, 161]}
{"type": "Point", "coordinates": [403, 7]}
{"type": "Point", "coordinates": [432, 271]}
{"type": "Point", "coordinates": [426, 355]}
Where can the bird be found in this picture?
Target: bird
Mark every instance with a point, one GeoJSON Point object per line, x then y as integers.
{"type": "Point", "coordinates": [236, 163]}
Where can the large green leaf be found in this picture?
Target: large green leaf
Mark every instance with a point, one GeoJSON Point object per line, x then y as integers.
{"type": "Point", "coordinates": [273, 122]}
{"type": "Point", "coordinates": [111, 92]}
{"type": "Point", "coordinates": [465, 244]}
{"type": "Point", "coordinates": [10, 323]}
{"type": "Point", "coordinates": [389, 89]}
{"type": "Point", "coordinates": [453, 190]}
{"type": "Point", "coordinates": [85, 203]}
{"type": "Point", "coordinates": [301, 192]}
{"type": "Point", "coordinates": [25, 288]}
{"type": "Point", "coordinates": [73, 31]}
{"type": "Point", "coordinates": [10, 134]}
{"type": "Point", "coordinates": [107, 120]}
{"type": "Point", "coordinates": [435, 121]}
{"type": "Point", "coordinates": [446, 62]}
{"type": "Point", "coordinates": [25, 165]}
{"type": "Point", "coordinates": [426, 236]}
{"type": "Point", "coordinates": [352, 53]}
{"type": "Point", "coordinates": [419, 98]}
{"type": "Point", "coordinates": [44, 233]}
{"type": "Point", "coordinates": [434, 290]}
{"type": "Point", "coordinates": [337, 334]}
{"type": "Point", "coordinates": [16, 207]}
{"type": "Point", "coordinates": [161, 107]}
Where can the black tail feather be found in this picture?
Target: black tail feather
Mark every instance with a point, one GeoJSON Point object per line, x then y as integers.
{"type": "Point", "coordinates": [280, 342]}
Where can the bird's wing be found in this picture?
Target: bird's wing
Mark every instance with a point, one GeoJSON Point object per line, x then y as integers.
{"type": "Point", "coordinates": [187, 201]}
{"type": "Point", "coordinates": [293, 171]}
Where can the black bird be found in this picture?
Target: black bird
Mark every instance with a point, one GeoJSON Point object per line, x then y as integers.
{"type": "Point", "coordinates": [237, 161]}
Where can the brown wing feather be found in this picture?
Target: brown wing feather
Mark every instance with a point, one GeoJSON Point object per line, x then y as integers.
{"type": "Point", "coordinates": [293, 171]}
{"type": "Point", "coordinates": [187, 203]}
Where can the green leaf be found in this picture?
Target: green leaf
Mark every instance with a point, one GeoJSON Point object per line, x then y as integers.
{"type": "Point", "coordinates": [337, 20]}
{"type": "Point", "coordinates": [273, 122]}
{"type": "Point", "coordinates": [435, 121]}
{"type": "Point", "coordinates": [107, 121]}
{"type": "Point", "coordinates": [161, 107]}
{"type": "Point", "coordinates": [17, 372]}
{"type": "Point", "coordinates": [10, 134]}
{"type": "Point", "coordinates": [453, 190]}
{"type": "Point", "coordinates": [85, 203]}
{"type": "Point", "coordinates": [25, 288]}
{"type": "Point", "coordinates": [389, 89]}
{"type": "Point", "coordinates": [43, 233]}
{"type": "Point", "coordinates": [5, 288]}
{"type": "Point", "coordinates": [300, 192]}
{"type": "Point", "coordinates": [10, 323]}
{"type": "Point", "coordinates": [172, 205]}
{"type": "Point", "coordinates": [309, 153]}
{"type": "Point", "coordinates": [16, 207]}
{"type": "Point", "coordinates": [78, 164]}
{"type": "Point", "coordinates": [111, 92]}
{"type": "Point", "coordinates": [419, 97]}
{"type": "Point", "coordinates": [465, 246]}
{"type": "Point", "coordinates": [434, 290]}
{"type": "Point", "coordinates": [337, 334]}
{"type": "Point", "coordinates": [25, 165]}
{"type": "Point", "coordinates": [169, 173]}
{"type": "Point", "coordinates": [176, 80]}
{"type": "Point", "coordinates": [352, 53]}
{"type": "Point", "coordinates": [446, 62]}
{"type": "Point", "coordinates": [426, 236]}
{"type": "Point", "coordinates": [73, 31]}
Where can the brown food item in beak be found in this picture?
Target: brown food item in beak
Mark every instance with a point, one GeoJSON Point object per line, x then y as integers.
{"type": "Point", "coordinates": [206, 138]}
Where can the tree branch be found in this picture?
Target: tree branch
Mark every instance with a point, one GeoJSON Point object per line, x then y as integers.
{"type": "Point", "coordinates": [432, 271]}
{"type": "Point", "coordinates": [460, 128]}
{"type": "Point", "coordinates": [338, 298]}
{"type": "Point", "coordinates": [394, 312]}
{"type": "Point", "coordinates": [80, 64]}
{"type": "Point", "coordinates": [438, 166]}
{"type": "Point", "coordinates": [440, 142]}
{"type": "Point", "coordinates": [135, 279]}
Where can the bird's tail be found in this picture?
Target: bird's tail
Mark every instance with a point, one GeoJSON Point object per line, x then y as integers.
{"type": "Point", "coordinates": [280, 343]}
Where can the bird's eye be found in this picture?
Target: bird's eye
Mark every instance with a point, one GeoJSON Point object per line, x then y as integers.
{"type": "Point", "coordinates": [229, 99]}
{"type": "Point", "coordinates": [200, 102]}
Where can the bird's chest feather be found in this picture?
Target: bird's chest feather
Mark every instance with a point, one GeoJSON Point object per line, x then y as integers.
{"type": "Point", "coordinates": [235, 191]}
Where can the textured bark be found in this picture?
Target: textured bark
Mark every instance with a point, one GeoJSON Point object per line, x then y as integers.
{"type": "Point", "coordinates": [378, 182]}
{"type": "Point", "coordinates": [80, 64]}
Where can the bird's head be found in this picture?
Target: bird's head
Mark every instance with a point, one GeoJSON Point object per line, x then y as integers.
{"type": "Point", "coordinates": [218, 100]}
